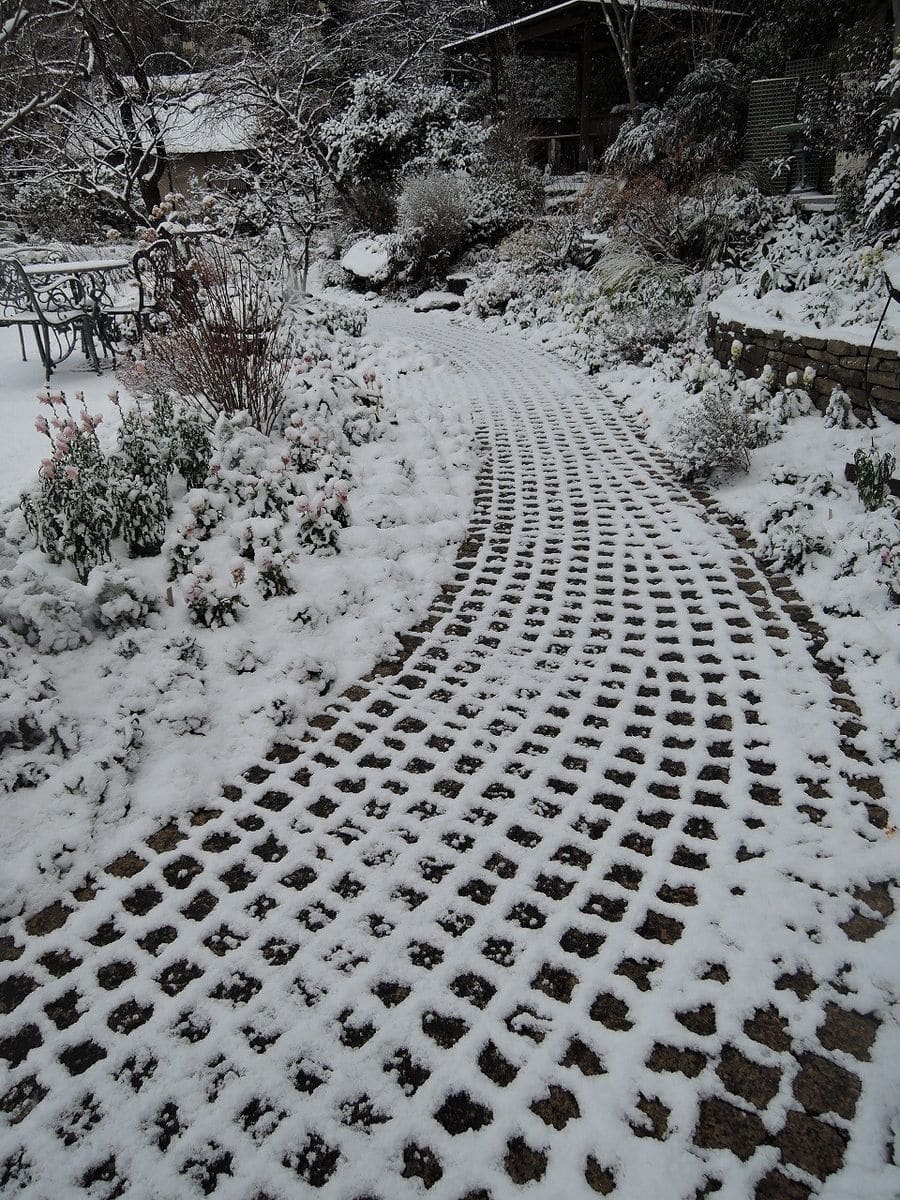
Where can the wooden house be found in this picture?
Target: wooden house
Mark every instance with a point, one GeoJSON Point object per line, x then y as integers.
{"type": "Point", "coordinates": [575, 33]}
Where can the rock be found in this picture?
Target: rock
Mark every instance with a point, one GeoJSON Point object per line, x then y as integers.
{"type": "Point", "coordinates": [434, 301]}
{"type": "Point", "coordinates": [458, 283]}
{"type": "Point", "coordinates": [369, 259]}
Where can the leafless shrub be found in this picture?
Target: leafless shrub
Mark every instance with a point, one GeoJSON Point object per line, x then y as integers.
{"type": "Point", "coordinates": [225, 342]}
{"type": "Point", "coordinates": [433, 220]}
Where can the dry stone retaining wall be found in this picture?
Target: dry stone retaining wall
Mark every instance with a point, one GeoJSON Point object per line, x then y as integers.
{"type": "Point", "coordinates": [835, 362]}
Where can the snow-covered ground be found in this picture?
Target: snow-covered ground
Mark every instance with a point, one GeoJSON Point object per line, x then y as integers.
{"type": "Point", "coordinates": [841, 585]}
{"type": "Point", "coordinates": [154, 719]}
{"type": "Point", "coordinates": [21, 446]}
{"type": "Point", "coordinates": [583, 899]}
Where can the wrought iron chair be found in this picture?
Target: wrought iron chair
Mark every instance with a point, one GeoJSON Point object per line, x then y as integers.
{"type": "Point", "coordinates": [152, 268]}
{"type": "Point", "coordinates": [54, 307]}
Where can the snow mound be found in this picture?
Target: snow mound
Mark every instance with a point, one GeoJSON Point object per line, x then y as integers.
{"type": "Point", "coordinates": [434, 301]}
{"type": "Point", "coordinates": [369, 258]}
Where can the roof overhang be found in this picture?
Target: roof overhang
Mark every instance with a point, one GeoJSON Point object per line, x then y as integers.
{"type": "Point", "coordinates": [551, 25]}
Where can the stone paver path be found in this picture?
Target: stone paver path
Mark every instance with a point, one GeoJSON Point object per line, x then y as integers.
{"type": "Point", "coordinates": [571, 895]}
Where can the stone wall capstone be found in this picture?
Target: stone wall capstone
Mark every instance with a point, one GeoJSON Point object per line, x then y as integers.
{"type": "Point", "coordinates": [836, 363]}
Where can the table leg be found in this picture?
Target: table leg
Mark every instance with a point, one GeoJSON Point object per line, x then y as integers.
{"type": "Point", "coordinates": [87, 340]}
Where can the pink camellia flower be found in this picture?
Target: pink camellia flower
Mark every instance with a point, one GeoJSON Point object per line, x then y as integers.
{"type": "Point", "coordinates": [48, 469]}
{"type": "Point", "coordinates": [308, 359]}
{"type": "Point", "coordinates": [44, 398]}
{"type": "Point", "coordinates": [71, 473]}
{"type": "Point", "coordinates": [342, 494]}
{"type": "Point", "coordinates": [41, 425]}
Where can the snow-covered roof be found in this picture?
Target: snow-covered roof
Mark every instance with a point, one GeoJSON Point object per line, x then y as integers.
{"type": "Point", "coordinates": [572, 6]}
{"type": "Point", "coordinates": [196, 113]}
{"type": "Point", "coordinates": [197, 122]}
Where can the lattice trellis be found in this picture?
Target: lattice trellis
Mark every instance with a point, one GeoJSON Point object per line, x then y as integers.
{"type": "Point", "coordinates": [777, 102]}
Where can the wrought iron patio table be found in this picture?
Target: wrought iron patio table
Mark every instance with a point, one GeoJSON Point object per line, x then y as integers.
{"type": "Point", "coordinates": [67, 296]}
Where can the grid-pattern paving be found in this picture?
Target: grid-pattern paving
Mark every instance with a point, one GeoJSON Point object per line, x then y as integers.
{"type": "Point", "coordinates": [564, 896]}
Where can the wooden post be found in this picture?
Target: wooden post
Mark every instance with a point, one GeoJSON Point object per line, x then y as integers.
{"type": "Point", "coordinates": [495, 70]}
{"type": "Point", "coordinates": [585, 65]}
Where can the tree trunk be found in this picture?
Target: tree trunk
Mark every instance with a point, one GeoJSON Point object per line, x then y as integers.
{"type": "Point", "coordinates": [620, 21]}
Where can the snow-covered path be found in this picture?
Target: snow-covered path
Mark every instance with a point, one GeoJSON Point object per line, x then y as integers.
{"type": "Point", "coordinates": [569, 897]}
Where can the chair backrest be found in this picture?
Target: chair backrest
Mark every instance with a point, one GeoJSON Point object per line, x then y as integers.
{"type": "Point", "coordinates": [16, 295]}
{"type": "Point", "coordinates": [154, 271]}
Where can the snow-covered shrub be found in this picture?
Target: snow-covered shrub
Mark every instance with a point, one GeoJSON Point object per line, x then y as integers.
{"type": "Point", "coordinates": [881, 203]}
{"type": "Point", "coordinates": [361, 425]}
{"type": "Point", "coordinates": [257, 535]}
{"type": "Point", "coordinates": [889, 572]}
{"type": "Point", "coordinates": [48, 614]}
{"type": "Point", "coordinates": [866, 542]}
{"type": "Point", "coordinates": [68, 513]}
{"type": "Point", "coordinates": [653, 314]}
{"type": "Point", "coordinates": [191, 449]}
{"type": "Point", "coordinates": [53, 209]}
{"type": "Point", "coordinates": [207, 508]}
{"type": "Point", "coordinates": [305, 442]}
{"type": "Point", "coordinates": [433, 222]}
{"type": "Point", "coordinates": [273, 576]}
{"type": "Point", "coordinates": [119, 601]}
{"type": "Point", "coordinates": [717, 222]}
{"type": "Point", "coordinates": [248, 469]}
{"type": "Point", "coordinates": [392, 127]}
{"type": "Point", "coordinates": [244, 658]}
{"type": "Point", "coordinates": [182, 549]}
{"type": "Point", "coordinates": [321, 675]}
{"type": "Point", "coordinates": [694, 132]}
{"type": "Point", "coordinates": [323, 513]}
{"type": "Point", "coordinates": [711, 436]}
{"type": "Point", "coordinates": [839, 411]}
{"type": "Point", "coordinates": [873, 474]}
{"type": "Point", "coordinates": [138, 484]}
{"type": "Point", "coordinates": [504, 197]}
{"type": "Point", "coordinates": [548, 243]}
{"type": "Point", "coordinates": [490, 296]}
{"type": "Point", "coordinates": [791, 536]}
{"type": "Point", "coordinates": [758, 400]}
{"type": "Point", "coordinates": [33, 730]}
{"type": "Point", "coordinates": [791, 401]}
{"type": "Point", "coordinates": [211, 602]}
